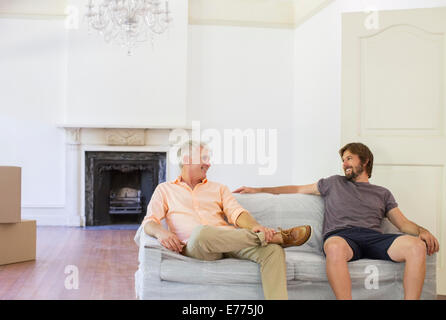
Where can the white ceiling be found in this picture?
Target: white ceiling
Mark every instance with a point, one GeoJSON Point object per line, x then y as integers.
{"type": "Point", "coordinates": [261, 13]}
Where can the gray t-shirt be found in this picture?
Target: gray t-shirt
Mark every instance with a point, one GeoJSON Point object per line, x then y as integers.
{"type": "Point", "coordinates": [353, 204]}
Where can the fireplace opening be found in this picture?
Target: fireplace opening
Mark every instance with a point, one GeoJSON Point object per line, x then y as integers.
{"type": "Point", "coordinates": [119, 185]}
{"type": "Point", "coordinates": [126, 201]}
{"type": "Point", "coordinates": [125, 193]}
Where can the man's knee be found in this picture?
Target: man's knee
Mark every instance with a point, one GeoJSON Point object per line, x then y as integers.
{"type": "Point", "coordinates": [337, 248]}
{"type": "Point", "coordinates": [407, 248]}
{"type": "Point", "coordinates": [275, 250]}
{"type": "Point", "coordinates": [199, 244]}
{"type": "Point", "coordinates": [201, 234]}
{"type": "Point", "coordinates": [416, 249]}
{"type": "Point", "coordinates": [272, 252]}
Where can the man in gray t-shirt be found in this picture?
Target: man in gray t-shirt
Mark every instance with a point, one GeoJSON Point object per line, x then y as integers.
{"type": "Point", "coordinates": [354, 210]}
{"type": "Point", "coordinates": [351, 204]}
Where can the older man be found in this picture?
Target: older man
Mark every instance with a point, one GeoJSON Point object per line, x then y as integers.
{"type": "Point", "coordinates": [354, 209]}
{"type": "Point", "coordinates": [194, 209]}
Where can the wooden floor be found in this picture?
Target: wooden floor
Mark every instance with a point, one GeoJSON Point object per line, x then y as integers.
{"type": "Point", "coordinates": [106, 261]}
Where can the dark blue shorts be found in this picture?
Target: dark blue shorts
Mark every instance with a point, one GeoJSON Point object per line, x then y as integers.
{"type": "Point", "coordinates": [365, 243]}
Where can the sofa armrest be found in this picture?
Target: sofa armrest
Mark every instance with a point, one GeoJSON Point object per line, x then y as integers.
{"type": "Point", "coordinates": [151, 242]}
{"type": "Point", "coordinates": [144, 240]}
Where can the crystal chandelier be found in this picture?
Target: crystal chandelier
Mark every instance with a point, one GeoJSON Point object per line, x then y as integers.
{"type": "Point", "coordinates": [126, 22]}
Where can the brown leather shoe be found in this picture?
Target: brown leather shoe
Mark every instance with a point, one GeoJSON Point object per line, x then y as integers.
{"type": "Point", "coordinates": [296, 236]}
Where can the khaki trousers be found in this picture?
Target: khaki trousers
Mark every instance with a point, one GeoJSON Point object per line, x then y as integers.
{"type": "Point", "coordinates": [214, 243]}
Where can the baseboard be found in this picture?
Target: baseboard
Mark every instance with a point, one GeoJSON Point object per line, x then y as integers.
{"type": "Point", "coordinates": [51, 217]}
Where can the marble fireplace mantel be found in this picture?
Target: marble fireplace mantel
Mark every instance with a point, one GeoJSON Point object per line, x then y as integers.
{"type": "Point", "coordinates": [123, 135]}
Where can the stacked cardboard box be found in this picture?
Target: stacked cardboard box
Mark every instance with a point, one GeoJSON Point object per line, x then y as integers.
{"type": "Point", "coordinates": [17, 236]}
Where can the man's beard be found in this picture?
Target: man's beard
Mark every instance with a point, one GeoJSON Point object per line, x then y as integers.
{"type": "Point", "coordinates": [356, 172]}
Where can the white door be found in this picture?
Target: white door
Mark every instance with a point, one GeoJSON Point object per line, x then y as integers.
{"type": "Point", "coordinates": [394, 101]}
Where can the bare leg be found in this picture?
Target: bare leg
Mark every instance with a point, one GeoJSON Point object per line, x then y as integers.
{"type": "Point", "coordinates": [338, 253]}
{"type": "Point", "coordinates": [411, 250]}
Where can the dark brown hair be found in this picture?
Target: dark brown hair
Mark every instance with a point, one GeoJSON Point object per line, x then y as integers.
{"type": "Point", "coordinates": [363, 152]}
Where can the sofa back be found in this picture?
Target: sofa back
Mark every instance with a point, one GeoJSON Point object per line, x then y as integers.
{"type": "Point", "coordinates": [289, 210]}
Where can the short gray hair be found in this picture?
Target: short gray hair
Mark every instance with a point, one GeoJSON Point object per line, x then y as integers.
{"type": "Point", "coordinates": [187, 147]}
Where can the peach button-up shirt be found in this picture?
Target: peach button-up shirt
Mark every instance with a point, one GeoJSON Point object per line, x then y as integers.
{"type": "Point", "coordinates": [184, 209]}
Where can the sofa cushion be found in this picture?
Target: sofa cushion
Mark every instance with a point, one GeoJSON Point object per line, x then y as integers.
{"type": "Point", "coordinates": [224, 271]}
{"type": "Point", "coordinates": [311, 267]}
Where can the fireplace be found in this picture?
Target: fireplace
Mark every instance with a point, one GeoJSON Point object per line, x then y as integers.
{"type": "Point", "coordinates": [119, 185]}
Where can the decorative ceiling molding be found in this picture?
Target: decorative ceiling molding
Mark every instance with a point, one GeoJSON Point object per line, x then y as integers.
{"type": "Point", "coordinates": [45, 9]}
{"type": "Point", "coordinates": [259, 13]}
{"type": "Point", "coordinates": [305, 9]}
{"type": "Point", "coordinates": [254, 13]}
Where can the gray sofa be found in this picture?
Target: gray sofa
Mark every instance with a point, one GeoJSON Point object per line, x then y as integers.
{"type": "Point", "coordinates": [163, 274]}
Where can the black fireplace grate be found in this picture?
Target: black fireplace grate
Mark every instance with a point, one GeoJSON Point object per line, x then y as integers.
{"type": "Point", "coordinates": [125, 204]}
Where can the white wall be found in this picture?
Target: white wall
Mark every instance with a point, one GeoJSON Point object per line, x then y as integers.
{"type": "Point", "coordinates": [32, 79]}
{"type": "Point", "coordinates": [317, 109]}
{"type": "Point", "coordinates": [242, 77]}
{"type": "Point", "coordinates": [105, 86]}
{"type": "Point", "coordinates": [317, 97]}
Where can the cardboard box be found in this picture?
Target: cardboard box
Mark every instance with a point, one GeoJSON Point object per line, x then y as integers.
{"type": "Point", "coordinates": [17, 241]}
{"type": "Point", "coordinates": [10, 194]}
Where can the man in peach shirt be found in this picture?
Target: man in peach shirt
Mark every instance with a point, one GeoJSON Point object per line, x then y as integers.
{"type": "Point", "coordinates": [194, 209]}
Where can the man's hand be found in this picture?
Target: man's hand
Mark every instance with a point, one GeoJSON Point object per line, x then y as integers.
{"type": "Point", "coordinates": [170, 241]}
{"type": "Point", "coordinates": [405, 225]}
{"type": "Point", "coordinates": [431, 242]}
{"type": "Point", "coordinates": [247, 190]}
{"type": "Point", "coordinates": [269, 233]}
